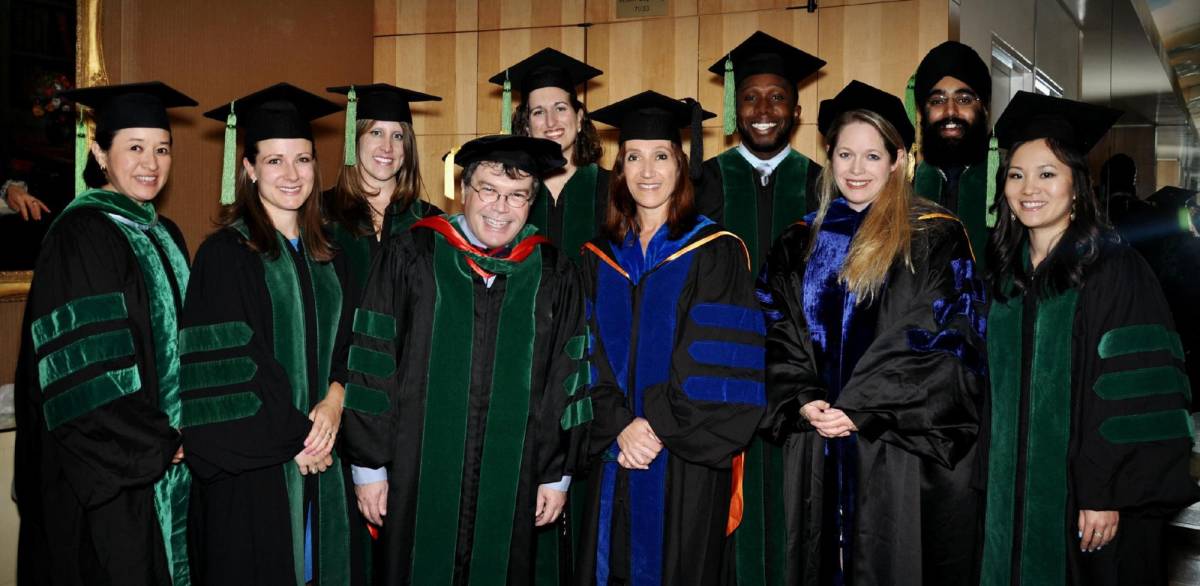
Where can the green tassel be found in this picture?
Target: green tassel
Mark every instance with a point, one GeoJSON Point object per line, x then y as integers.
{"type": "Point", "coordinates": [729, 114]}
{"type": "Point", "coordinates": [229, 165]}
{"type": "Point", "coordinates": [81, 152]}
{"type": "Point", "coordinates": [910, 100]}
{"type": "Point", "coordinates": [1185, 219]}
{"type": "Point", "coordinates": [993, 167]}
{"type": "Point", "coordinates": [506, 107]}
{"type": "Point", "coordinates": [351, 140]}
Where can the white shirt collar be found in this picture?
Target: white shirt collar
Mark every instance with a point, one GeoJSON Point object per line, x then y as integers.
{"type": "Point", "coordinates": [768, 165]}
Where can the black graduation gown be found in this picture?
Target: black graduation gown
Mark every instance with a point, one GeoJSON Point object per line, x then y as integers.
{"type": "Point", "coordinates": [678, 341]}
{"type": "Point", "coordinates": [97, 400]}
{"type": "Point", "coordinates": [894, 498]}
{"type": "Point", "coordinates": [506, 363]}
{"type": "Point", "coordinates": [575, 217]}
{"type": "Point", "coordinates": [1119, 440]}
{"type": "Point", "coordinates": [964, 193]}
{"type": "Point", "coordinates": [258, 343]}
{"type": "Point", "coordinates": [733, 193]}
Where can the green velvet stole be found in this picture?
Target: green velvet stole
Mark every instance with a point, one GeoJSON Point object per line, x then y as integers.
{"type": "Point", "coordinates": [358, 248]}
{"type": "Point", "coordinates": [972, 201]}
{"type": "Point", "coordinates": [171, 491]}
{"type": "Point", "coordinates": [331, 529]}
{"type": "Point", "coordinates": [739, 180]}
{"type": "Point", "coordinates": [579, 212]}
{"type": "Point", "coordinates": [1043, 538]}
{"type": "Point", "coordinates": [443, 442]}
{"type": "Point", "coordinates": [761, 547]}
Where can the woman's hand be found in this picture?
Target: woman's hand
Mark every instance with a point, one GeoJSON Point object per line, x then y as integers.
{"type": "Point", "coordinates": [1097, 529]}
{"type": "Point", "coordinates": [326, 418]}
{"type": "Point", "coordinates": [550, 505]}
{"type": "Point", "coordinates": [372, 501]}
{"type": "Point", "coordinates": [831, 422]}
{"type": "Point", "coordinates": [313, 464]}
{"type": "Point", "coordinates": [21, 201]}
{"type": "Point", "coordinates": [813, 409]}
{"type": "Point", "coordinates": [639, 446]}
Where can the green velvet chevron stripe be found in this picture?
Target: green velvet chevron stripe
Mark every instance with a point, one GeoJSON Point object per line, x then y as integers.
{"type": "Point", "coordinates": [575, 347]}
{"type": "Point", "coordinates": [371, 362]}
{"type": "Point", "coordinates": [578, 379]}
{"type": "Point", "coordinates": [76, 314]}
{"type": "Point", "coordinates": [84, 397]}
{"type": "Point", "coordinates": [1148, 427]}
{"type": "Point", "coordinates": [83, 353]}
{"type": "Point", "coordinates": [1140, 338]}
{"type": "Point", "coordinates": [222, 336]}
{"type": "Point", "coordinates": [577, 413]}
{"type": "Point", "coordinates": [376, 325]}
{"type": "Point", "coordinates": [1142, 382]}
{"type": "Point", "coordinates": [219, 409]}
{"type": "Point", "coordinates": [217, 373]}
{"type": "Point", "coordinates": [366, 399]}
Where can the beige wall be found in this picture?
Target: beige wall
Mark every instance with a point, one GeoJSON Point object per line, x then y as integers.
{"type": "Point", "coordinates": [451, 48]}
{"type": "Point", "coordinates": [1043, 32]}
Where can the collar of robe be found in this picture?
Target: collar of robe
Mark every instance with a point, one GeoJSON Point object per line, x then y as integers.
{"type": "Point", "coordinates": [485, 263]}
{"type": "Point", "coordinates": [112, 202]}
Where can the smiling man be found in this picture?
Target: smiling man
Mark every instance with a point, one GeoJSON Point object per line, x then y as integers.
{"type": "Point", "coordinates": [466, 377]}
{"type": "Point", "coordinates": [953, 89]}
{"type": "Point", "coordinates": [763, 185]}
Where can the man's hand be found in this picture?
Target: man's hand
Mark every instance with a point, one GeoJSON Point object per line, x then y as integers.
{"type": "Point", "coordinates": [372, 501]}
{"type": "Point", "coordinates": [550, 505]}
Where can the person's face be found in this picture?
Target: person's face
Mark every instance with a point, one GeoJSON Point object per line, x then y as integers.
{"type": "Point", "coordinates": [496, 223]}
{"type": "Point", "coordinates": [951, 107]}
{"type": "Point", "coordinates": [861, 164]}
{"type": "Point", "coordinates": [767, 111]}
{"type": "Point", "coordinates": [551, 116]}
{"type": "Point", "coordinates": [138, 163]}
{"type": "Point", "coordinates": [651, 172]}
{"type": "Point", "coordinates": [284, 172]}
{"type": "Point", "coordinates": [1038, 187]}
{"type": "Point", "coordinates": [381, 150]}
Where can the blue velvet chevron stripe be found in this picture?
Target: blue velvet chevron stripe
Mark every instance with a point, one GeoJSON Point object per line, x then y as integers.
{"type": "Point", "coordinates": [727, 354]}
{"type": "Point", "coordinates": [730, 317]}
{"type": "Point", "coordinates": [972, 295]}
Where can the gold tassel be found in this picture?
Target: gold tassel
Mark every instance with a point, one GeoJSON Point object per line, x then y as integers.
{"type": "Point", "coordinates": [448, 178]}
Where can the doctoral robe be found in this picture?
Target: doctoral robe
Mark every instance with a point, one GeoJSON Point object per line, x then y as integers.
{"type": "Point", "coordinates": [678, 341]}
{"type": "Point", "coordinates": [1089, 411]}
{"type": "Point", "coordinates": [97, 401]}
{"type": "Point", "coordinates": [964, 194]}
{"type": "Point", "coordinates": [469, 395]}
{"type": "Point", "coordinates": [892, 503]}
{"type": "Point", "coordinates": [258, 354]}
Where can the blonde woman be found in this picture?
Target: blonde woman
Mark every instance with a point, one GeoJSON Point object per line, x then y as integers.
{"type": "Point", "coordinates": [874, 365]}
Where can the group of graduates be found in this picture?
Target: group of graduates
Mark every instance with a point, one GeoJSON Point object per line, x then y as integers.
{"type": "Point", "coordinates": [751, 370]}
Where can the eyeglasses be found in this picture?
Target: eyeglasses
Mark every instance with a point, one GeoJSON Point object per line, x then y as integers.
{"type": "Point", "coordinates": [963, 100]}
{"type": "Point", "coordinates": [515, 199]}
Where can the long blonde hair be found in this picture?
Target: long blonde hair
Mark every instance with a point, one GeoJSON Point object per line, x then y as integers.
{"type": "Point", "coordinates": [886, 235]}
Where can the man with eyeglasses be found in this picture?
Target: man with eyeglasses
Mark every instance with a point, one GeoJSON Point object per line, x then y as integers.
{"type": "Point", "coordinates": [467, 385]}
{"type": "Point", "coordinates": [952, 89]}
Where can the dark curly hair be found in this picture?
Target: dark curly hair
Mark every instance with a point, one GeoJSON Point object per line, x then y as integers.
{"type": "Point", "coordinates": [587, 148]}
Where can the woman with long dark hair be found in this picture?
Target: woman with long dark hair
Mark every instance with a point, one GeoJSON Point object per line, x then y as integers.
{"type": "Point", "coordinates": [98, 482]}
{"type": "Point", "coordinates": [677, 390]}
{"type": "Point", "coordinates": [874, 365]}
{"type": "Point", "coordinates": [1089, 436]}
{"type": "Point", "coordinates": [263, 391]}
{"type": "Point", "coordinates": [569, 208]}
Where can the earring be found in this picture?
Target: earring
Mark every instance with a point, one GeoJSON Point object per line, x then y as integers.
{"type": "Point", "coordinates": [1012, 216]}
{"type": "Point", "coordinates": [253, 181]}
{"type": "Point", "coordinates": [1072, 217]}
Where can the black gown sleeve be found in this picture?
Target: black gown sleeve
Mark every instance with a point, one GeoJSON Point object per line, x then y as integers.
{"type": "Point", "coordinates": [710, 407]}
{"type": "Point", "coordinates": [1132, 435]}
{"type": "Point", "coordinates": [93, 357]}
{"type": "Point", "coordinates": [565, 406]}
{"type": "Point", "coordinates": [792, 378]}
{"type": "Point", "coordinates": [379, 323]}
{"type": "Point", "coordinates": [920, 384]}
{"type": "Point", "coordinates": [237, 398]}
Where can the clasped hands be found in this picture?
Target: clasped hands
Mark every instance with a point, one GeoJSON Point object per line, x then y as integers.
{"type": "Point", "coordinates": [828, 421]}
{"type": "Point", "coordinates": [317, 454]}
{"type": "Point", "coordinates": [639, 446]}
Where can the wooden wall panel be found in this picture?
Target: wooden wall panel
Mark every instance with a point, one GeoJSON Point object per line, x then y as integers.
{"type": "Point", "coordinates": [190, 45]}
{"type": "Point", "coordinates": [431, 149]}
{"type": "Point", "coordinates": [440, 64]}
{"type": "Point", "coordinates": [406, 17]}
{"type": "Point", "coordinates": [499, 49]}
{"type": "Point", "coordinates": [605, 11]}
{"type": "Point", "coordinates": [638, 55]}
{"type": "Point", "coordinates": [875, 44]}
{"type": "Point", "coordinates": [507, 14]}
{"type": "Point", "coordinates": [11, 313]}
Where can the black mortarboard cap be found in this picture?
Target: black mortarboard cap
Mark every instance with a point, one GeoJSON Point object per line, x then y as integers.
{"type": "Point", "coordinates": [376, 101]}
{"type": "Point", "coordinates": [535, 156]}
{"type": "Point", "coordinates": [953, 59]}
{"type": "Point", "coordinates": [762, 53]}
{"type": "Point", "coordinates": [280, 111]}
{"type": "Point", "coordinates": [860, 96]}
{"type": "Point", "coordinates": [1031, 116]}
{"type": "Point", "coordinates": [546, 68]}
{"type": "Point", "coordinates": [130, 105]}
{"type": "Point", "coordinates": [653, 116]}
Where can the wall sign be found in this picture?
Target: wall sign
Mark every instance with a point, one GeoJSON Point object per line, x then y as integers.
{"type": "Point", "coordinates": [641, 8]}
